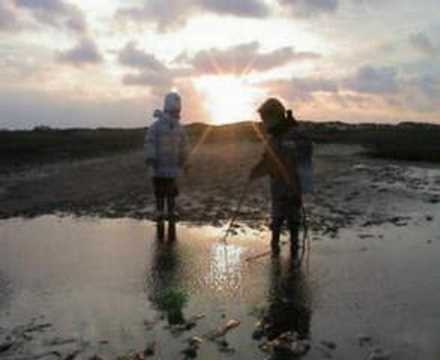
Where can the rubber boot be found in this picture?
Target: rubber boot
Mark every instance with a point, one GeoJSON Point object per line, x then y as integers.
{"type": "Point", "coordinates": [160, 206]}
{"type": "Point", "coordinates": [171, 231]}
{"type": "Point", "coordinates": [171, 204]}
{"type": "Point", "coordinates": [294, 241]}
{"type": "Point", "coordinates": [275, 242]}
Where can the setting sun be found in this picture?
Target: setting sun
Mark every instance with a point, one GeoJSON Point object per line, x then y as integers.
{"type": "Point", "coordinates": [229, 98]}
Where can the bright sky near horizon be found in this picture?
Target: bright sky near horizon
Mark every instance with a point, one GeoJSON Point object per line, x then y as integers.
{"type": "Point", "coordinates": [108, 63]}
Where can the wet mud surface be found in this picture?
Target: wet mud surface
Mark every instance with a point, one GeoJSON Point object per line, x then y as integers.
{"type": "Point", "coordinates": [80, 287]}
{"type": "Point", "coordinates": [83, 273]}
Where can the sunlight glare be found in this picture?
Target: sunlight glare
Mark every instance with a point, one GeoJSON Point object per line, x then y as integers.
{"type": "Point", "coordinates": [229, 99]}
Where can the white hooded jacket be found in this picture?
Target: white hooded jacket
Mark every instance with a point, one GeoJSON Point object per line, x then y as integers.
{"type": "Point", "coordinates": [165, 142]}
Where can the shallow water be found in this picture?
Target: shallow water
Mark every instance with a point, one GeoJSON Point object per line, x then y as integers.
{"type": "Point", "coordinates": [97, 281]}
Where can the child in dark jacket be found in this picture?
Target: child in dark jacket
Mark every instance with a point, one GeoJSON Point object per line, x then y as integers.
{"type": "Point", "coordinates": [287, 160]}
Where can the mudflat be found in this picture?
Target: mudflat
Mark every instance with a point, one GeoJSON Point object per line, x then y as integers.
{"type": "Point", "coordinates": [92, 278]}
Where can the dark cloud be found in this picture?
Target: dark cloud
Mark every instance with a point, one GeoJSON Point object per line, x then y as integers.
{"type": "Point", "coordinates": [372, 80]}
{"type": "Point", "coordinates": [132, 57]}
{"type": "Point", "coordinates": [151, 71]}
{"type": "Point", "coordinates": [27, 109]}
{"type": "Point", "coordinates": [149, 78]}
{"type": "Point", "coordinates": [242, 58]}
{"type": "Point", "coordinates": [307, 8]}
{"type": "Point", "coordinates": [55, 13]}
{"type": "Point", "coordinates": [171, 14]}
{"type": "Point", "coordinates": [241, 8]}
{"type": "Point", "coordinates": [422, 43]}
{"type": "Point", "coordinates": [85, 52]}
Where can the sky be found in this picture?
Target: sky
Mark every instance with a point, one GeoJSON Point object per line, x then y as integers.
{"type": "Point", "coordinates": [109, 63]}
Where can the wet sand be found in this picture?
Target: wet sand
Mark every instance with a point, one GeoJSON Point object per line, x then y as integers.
{"type": "Point", "coordinates": [89, 282]}
{"type": "Point", "coordinates": [91, 286]}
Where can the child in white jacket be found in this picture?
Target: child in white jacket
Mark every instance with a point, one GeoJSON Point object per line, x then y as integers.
{"type": "Point", "coordinates": [165, 150]}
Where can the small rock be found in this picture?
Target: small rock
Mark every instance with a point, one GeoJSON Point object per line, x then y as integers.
{"type": "Point", "coordinates": [195, 341]}
{"type": "Point", "coordinates": [149, 325]}
{"type": "Point", "coordinates": [190, 352]}
{"type": "Point", "coordinates": [96, 357]}
{"type": "Point", "coordinates": [150, 349]}
{"type": "Point", "coordinates": [329, 344]}
{"type": "Point", "coordinates": [58, 342]}
{"type": "Point", "coordinates": [258, 334]}
{"type": "Point", "coordinates": [73, 355]}
{"type": "Point", "coordinates": [266, 347]}
{"type": "Point", "coordinates": [300, 348]}
{"type": "Point", "coordinates": [429, 241]}
{"type": "Point", "coordinates": [5, 346]}
{"type": "Point", "coordinates": [379, 354]}
{"type": "Point", "coordinates": [190, 325]}
{"type": "Point", "coordinates": [429, 218]}
{"type": "Point", "coordinates": [363, 339]}
{"type": "Point", "coordinates": [139, 356]}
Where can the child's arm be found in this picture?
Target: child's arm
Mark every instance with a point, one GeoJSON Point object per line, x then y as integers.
{"type": "Point", "coordinates": [150, 146]}
{"type": "Point", "coordinates": [183, 149]}
{"type": "Point", "coordinates": [260, 169]}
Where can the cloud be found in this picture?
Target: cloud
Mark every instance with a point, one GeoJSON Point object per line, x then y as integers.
{"type": "Point", "coordinates": [422, 43]}
{"type": "Point", "coordinates": [301, 89]}
{"type": "Point", "coordinates": [373, 80]}
{"type": "Point", "coordinates": [29, 108]}
{"type": "Point", "coordinates": [243, 58]}
{"type": "Point", "coordinates": [241, 8]}
{"type": "Point", "coordinates": [55, 13]}
{"type": "Point", "coordinates": [25, 109]}
{"type": "Point", "coordinates": [151, 72]}
{"type": "Point", "coordinates": [8, 17]}
{"type": "Point", "coordinates": [308, 8]}
{"type": "Point", "coordinates": [428, 85]}
{"type": "Point", "coordinates": [149, 78]}
{"type": "Point", "coordinates": [85, 52]}
{"type": "Point", "coordinates": [172, 14]}
{"type": "Point", "coordinates": [132, 57]}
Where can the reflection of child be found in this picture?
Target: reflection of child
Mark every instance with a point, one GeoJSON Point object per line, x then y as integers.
{"type": "Point", "coordinates": [281, 161]}
{"type": "Point", "coordinates": [165, 150]}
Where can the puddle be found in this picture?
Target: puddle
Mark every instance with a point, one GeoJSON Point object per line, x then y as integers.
{"type": "Point", "coordinates": [98, 282]}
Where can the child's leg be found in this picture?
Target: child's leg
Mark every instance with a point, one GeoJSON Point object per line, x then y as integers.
{"type": "Point", "coordinates": [159, 197]}
{"type": "Point", "coordinates": [171, 231]}
{"type": "Point", "coordinates": [172, 192]}
{"type": "Point", "coordinates": [160, 207]}
{"type": "Point", "coordinates": [276, 226]}
{"type": "Point", "coordinates": [171, 203]}
{"type": "Point", "coordinates": [277, 223]}
{"type": "Point", "coordinates": [275, 241]}
{"type": "Point", "coordinates": [293, 222]}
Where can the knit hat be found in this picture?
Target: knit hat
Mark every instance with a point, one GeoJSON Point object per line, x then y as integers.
{"type": "Point", "coordinates": [273, 113]}
{"type": "Point", "coordinates": [172, 103]}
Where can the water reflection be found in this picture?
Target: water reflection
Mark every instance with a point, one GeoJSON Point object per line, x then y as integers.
{"type": "Point", "coordinates": [225, 273]}
{"type": "Point", "coordinates": [289, 307]}
{"type": "Point", "coordinates": [160, 231]}
{"type": "Point", "coordinates": [167, 293]}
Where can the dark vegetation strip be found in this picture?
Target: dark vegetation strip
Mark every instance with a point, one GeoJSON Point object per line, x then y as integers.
{"type": "Point", "coordinates": [406, 141]}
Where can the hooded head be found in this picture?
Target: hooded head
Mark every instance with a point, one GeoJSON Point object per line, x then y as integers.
{"type": "Point", "coordinates": [172, 104]}
{"type": "Point", "coordinates": [273, 114]}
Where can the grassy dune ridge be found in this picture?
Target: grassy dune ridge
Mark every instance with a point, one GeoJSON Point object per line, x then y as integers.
{"type": "Point", "coordinates": [405, 141]}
